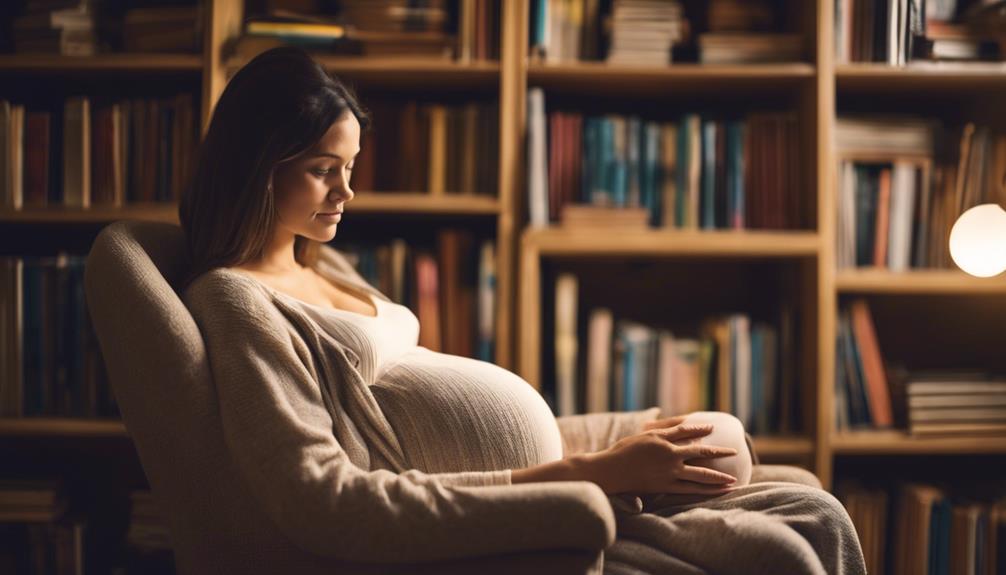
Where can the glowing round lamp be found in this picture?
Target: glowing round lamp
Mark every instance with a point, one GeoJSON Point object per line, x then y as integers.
{"type": "Point", "coordinates": [978, 241]}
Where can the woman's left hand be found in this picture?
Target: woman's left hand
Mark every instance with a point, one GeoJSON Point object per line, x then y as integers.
{"type": "Point", "coordinates": [664, 423]}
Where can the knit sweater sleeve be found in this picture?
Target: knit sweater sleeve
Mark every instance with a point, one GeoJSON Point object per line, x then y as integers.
{"type": "Point", "coordinates": [280, 436]}
{"type": "Point", "coordinates": [592, 432]}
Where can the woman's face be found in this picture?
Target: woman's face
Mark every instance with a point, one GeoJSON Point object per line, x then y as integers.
{"type": "Point", "coordinates": [312, 189]}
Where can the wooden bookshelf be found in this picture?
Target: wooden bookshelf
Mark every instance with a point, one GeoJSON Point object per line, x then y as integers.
{"type": "Point", "coordinates": [814, 88]}
{"type": "Point", "coordinates": [774, 448]}
{"type": "Point", "coordinates": [60, 427]}
{"type": "Point", "coordinates": [924, 282]}
{"type": "Point", "coordinates": [603, 78]}
{"type": "Point", "coordinates": [896, 442]}
{"type": "Point", "coordinates": [132, 63]}
{"type": "Point", "coordinates": [931, 78]}
{"type": "Point", "coordinates": [95, 215]}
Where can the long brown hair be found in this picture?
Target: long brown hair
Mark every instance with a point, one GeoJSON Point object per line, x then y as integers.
{"type": "Point", "coordinates": [275, 108]}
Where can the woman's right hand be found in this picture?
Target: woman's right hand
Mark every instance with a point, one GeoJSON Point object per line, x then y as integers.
{"type": "Point", "coordinates": [657, 461]}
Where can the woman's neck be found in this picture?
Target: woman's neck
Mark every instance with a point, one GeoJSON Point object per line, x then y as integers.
{"type": "Point", "coordinates": [278, 256]}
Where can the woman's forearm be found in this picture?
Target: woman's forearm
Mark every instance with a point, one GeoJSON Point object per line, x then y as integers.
{"type": "Point", "coordinates": [572, 468]}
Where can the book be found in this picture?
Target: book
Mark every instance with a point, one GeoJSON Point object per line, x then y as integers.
{"type": "Point", "coordinates": [566, 343]}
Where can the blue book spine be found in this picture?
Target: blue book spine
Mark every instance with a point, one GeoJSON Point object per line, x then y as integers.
{"type": "Point", "coordinates": [758, 420]}
{"type": "Point", "coordinates": [633, 193]}
{"type": "Point", "coordinates": [682, 160]}
{"type": "Point", "coordinates": [708, 203]}
{"type": "Point", "coordinates": [866, 212]}
{"type": "Point", "coordinates": [861, 403]}
{"type": "Point", "coordinates": [652, 196]}
{"type": "Point", "coordinates": [604, 193]}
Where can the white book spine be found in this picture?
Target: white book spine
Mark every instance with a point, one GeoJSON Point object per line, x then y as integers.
{"type": "Point", "coordinates": [565, 343]}
{"type": "Point", "coordinates": [599, 360]}
{"type": "Point", "coordinates": [537, 159]}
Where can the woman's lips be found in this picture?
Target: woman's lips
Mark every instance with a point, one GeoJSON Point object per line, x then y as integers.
{"type": "Point", "coordinates": [331, 217]}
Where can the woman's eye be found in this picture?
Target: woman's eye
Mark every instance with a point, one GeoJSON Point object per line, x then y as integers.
{"type": "Point", "coordinates": [321, 172]}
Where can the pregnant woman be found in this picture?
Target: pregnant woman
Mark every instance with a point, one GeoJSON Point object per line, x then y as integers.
{"type": "Point", "coordinates": [359, 442]}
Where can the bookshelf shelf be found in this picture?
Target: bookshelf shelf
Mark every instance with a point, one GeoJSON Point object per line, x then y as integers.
{"type": "Point", "coordinates": [958, 78]}
{"type": "Point", "coordinates": [53, 63]}
{"type": "Point", "coordinates": [406, 72]}
{"type": "Point", "coordinates": [423, 203]}
{"type": "Point", "coordinates": [95, 215]}
{"type": "Point", "coordinates": [367, 202]}
{"type": "Point", "coordinates": [923, 282]}
{"type": "Point", "coordinates": [774, 447]}
{"type": "Point", "coordinates": [893, 442]}
{"type": "Point", "coordinates": [595, 77]}
{"type": "Point", "coordinates": [39, 427]}
{"type": "Point", "coordinates": [619, 242]}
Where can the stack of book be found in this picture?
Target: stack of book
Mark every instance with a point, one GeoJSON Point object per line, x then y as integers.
{"type": "Point", "coordinates": [56, 27]}
{"type": "Point", "coordinates": [148, 543]}
{"type": "Point", "coordinates": [643, 31]}
{"type": "Point", "coordinates": [921, 528]}
{"type": "Point", "coordinates": [36, 536]}
{"type": "Point", "coordinates": [956, 403]}
{"type": "Point", "coordinates": [135, 150]}
{"type": "Point", "coordinates": [163, 29]}
{"type": "Point", "coordinates": [745, 32]}
{"type": "Point", "coordinates": [419, 138]}
{"type": "Point", "coordinates": [451, 288]}
{"type": "Point", "coordinates": [862, 394]}
{"type": "Point", "coordinates": [697, 173]}
{"type": "Point", "coordinates": [732, 365]}
{"type": "Point", "coordinates": [901, 31]}
{"type": "Point", "coordinates": [51, 360]}
{"type": "Point", "coordinates": [897, 201]}
{"type": "Point", "coordinates": [399, 27]}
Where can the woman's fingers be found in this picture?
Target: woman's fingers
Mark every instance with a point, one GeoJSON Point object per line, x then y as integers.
{"type": "Point", "coordinates": [664, 423]}
{"type": "Point", "coordinates": [705, 475]}
{"type": "Point", "coordinates": [686, 431]}
{"type": "Point", "coordinates": [698, 451]}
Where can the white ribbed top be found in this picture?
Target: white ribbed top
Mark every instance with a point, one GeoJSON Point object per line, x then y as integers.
{"type": "Point", "coordinates": [450, 413]}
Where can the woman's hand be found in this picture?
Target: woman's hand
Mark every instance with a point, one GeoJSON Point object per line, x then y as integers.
{"type": "Point", "coordinates": [664, 423]}
{"type": "Point", "coordinates": [652, 462]}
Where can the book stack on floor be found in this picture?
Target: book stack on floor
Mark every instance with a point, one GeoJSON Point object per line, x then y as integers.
{"type": "Point", "coordinates": [696, 173]}
{"type": "Point", "coordinates": [456, 147]}
{"type": "Point", "coordinates": [643, 32]}
{"type": "Point", "coordinates": [895, 207]}
{"type": "Point", "coordinates": [948, 403]}
{"type": "Point", "coordinates": [743, 32]}
{"type": "Point", "coordinates": [450, 288]}
{"type": "Point", "coordinates": [36, 534]}
{"type": "Point", "coordinates": [148, 543]}
{"type": "Point", "coordinates": [732, 364]}
{"type": "Point", "coordinates": [56, 27]}
{"type": "Point", "coordinates": [922, 528]}
{"type": "Point", "coordinates": [897, 32]}
{"type": "Point", "coordinates": [95, 154]}
{"type": "Point", "coordinates": [49, 354]}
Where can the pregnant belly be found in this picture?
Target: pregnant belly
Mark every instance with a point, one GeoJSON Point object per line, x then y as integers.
{"type": "Point", "coordinates": [452, 413]}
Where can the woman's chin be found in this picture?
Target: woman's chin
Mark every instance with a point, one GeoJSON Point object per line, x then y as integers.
{"type": "Point", "coordinates": [323, 235]}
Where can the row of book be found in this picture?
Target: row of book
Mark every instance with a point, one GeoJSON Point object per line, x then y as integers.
{"type": "Point", "coordinates": [897, 32]}
{"type": "Point", "coordinates": [921, 529]}
{"type": "Point", "coordinates": [733, 364]}
{"type": "Point", "coordinates": [83, 28]}
{"type": "Point", "coordinates": [50, 357]}
{"type": "Point", "coordinates": [903, 182]}
{"type": "Point", "coordinates": [697, 173]}
{"type": "Point", "coordinates": [438, 148]}
{"type": "Point", "coordinates": [451, 288]}
{"type": "Point", "coordinates": [109, 153]}
{"type": "Point", "coordinates": [36, 535]}
{"type": "Point", "coordinates": [642, 32]}
{"type": "Point", "coordinates": [872, 394]}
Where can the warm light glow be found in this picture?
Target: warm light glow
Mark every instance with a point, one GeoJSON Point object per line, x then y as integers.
{"type": "Point", "coordinates": [978, 241]}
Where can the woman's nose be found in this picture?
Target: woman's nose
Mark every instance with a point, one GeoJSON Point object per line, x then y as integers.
{"type": "Point", "coordinates": [344, 192]}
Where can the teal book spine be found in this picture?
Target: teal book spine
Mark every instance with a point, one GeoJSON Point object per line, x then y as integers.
{"type": "Point", "coordinates": [708, 202]}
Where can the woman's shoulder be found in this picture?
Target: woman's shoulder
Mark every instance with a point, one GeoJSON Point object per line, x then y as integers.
{"type": "Point", "coordinates": [224, 289]}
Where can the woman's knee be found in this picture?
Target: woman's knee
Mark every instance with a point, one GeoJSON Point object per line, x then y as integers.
{"type": "Point", "coordinates": [728, 431]}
